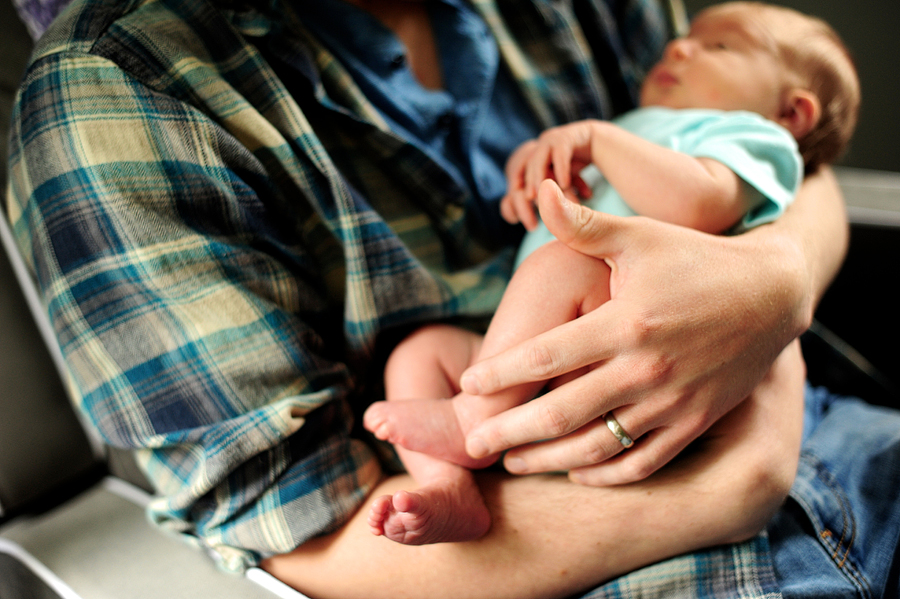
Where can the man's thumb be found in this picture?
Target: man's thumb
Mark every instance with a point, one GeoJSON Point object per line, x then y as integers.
{"type": "Point", "coordinates": [579, 227]}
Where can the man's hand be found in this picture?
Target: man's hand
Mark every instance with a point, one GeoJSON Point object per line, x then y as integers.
{"type": "Point", "coordinates": [693, 324]}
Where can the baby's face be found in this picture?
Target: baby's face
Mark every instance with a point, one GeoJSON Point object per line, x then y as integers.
{"type": "Point", "coordinates": [727, 61]}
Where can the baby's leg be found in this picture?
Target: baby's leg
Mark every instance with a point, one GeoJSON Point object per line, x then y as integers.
{"type": "Point", "coordinates": [421, 376]}
{"type": "Point", "coordinates": [429, 362]}
{"type": "Point", "coordinates": [447, 506]}
{"type": "Point", "coordinates": [553, 286]}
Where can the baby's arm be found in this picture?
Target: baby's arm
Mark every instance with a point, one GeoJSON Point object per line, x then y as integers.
{"type": "Point", "coordinates": [654, 181]}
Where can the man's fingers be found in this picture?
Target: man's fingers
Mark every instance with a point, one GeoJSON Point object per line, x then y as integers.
{"type": "Point", "coordinates": [578, 343]}
{"type": "Point", "coordinates": [555, 414]}
{"type": "Point", "coordinates": [560, 350]}
{"type": "Point", "coordinates": [649, 453]}
{"type": "Point", "coordinates": [590, 444]}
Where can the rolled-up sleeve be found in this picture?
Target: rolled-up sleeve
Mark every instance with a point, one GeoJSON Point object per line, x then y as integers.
{"type": "Point", "coordinates": [196, 325]}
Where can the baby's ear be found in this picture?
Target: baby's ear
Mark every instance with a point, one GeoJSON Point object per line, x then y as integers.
{"type": "Point", "coordinates": [800, 112]}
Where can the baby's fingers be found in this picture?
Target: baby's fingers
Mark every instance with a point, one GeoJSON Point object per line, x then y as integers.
{"type": "Point", "coordinates": [507, 209]}
{"type": "Point", "coordinates": [582, 189]}
{"type": "Point", "coordinates": [539, 167]}
{"type": "Point", "coordinates": [516, 208]}
{"type": "Point", "coordinates": [516, 165]}
{"type": "Point", "coordinates": [561, 156]}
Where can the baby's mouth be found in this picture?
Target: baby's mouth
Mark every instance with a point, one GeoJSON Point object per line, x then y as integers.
{"type": "Point", "coordinates": [663, 77]}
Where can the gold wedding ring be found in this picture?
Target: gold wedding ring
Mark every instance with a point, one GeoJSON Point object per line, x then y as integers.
{"type": "Point", "coordinates": [618, 431]}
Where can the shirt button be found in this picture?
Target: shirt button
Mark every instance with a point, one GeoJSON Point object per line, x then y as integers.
{"type": "Point", "coordinates": [398, 60]}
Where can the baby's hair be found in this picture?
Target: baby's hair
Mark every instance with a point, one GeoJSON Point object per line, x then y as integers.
{"type": "Point", "coordinates": [817, 56]}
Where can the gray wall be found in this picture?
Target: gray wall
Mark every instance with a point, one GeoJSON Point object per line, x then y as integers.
{"type": "Point", "coordinates": [871, 29]}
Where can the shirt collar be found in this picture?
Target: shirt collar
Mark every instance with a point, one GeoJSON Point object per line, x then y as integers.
{"type": "Point", "coordinates": [371, 46]}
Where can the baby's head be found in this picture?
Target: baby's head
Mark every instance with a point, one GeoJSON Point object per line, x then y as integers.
{"type": "Point", "coordinates": [782, 64]}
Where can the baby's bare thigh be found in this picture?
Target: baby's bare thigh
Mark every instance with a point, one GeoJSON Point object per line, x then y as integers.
{"type": "Point", "coordinates": [443, 348]}
{"type": "Point", "coordinates": [453, 348]}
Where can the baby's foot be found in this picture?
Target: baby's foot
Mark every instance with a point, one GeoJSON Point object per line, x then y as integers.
{"type": "Point", "coordinates": [432, 514]}
{"type": "Point", "coordinates": [427, 426]}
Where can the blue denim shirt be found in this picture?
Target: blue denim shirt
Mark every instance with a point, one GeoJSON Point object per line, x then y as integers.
{"type": "Point", "coordinates": [470, 127]}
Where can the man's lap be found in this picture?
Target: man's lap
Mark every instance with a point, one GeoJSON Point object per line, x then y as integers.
{"type": "Point", "coordinates": [836, 536]}
{"type": "Point", "coordinates": [838, 533]}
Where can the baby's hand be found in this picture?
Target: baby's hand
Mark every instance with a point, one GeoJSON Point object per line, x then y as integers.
{"type": "Point", "coordinates": [559, 153]}
{"type": "Point", "coordinates": [517, 206]}
{"type": "Point", "coordinates": [536, 160]}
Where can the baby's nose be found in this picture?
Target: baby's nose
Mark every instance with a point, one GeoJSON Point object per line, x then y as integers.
{"type": "Point", "coordinates": [680, 49]}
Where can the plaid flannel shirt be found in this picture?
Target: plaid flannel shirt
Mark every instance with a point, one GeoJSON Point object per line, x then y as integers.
{"type": "Point", "coordinates": [222, 252]}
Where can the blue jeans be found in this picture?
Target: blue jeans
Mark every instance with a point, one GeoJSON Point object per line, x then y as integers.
{"type": "Point", "coordinates": [837, 535]}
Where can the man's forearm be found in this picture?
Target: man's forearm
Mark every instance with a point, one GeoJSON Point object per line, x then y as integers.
{"type": "Point", "coordinates": [820, 217]}
{"type": "Point", "coordinates": [812, 237]}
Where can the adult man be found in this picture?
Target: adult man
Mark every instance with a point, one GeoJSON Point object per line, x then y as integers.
{"type": "Point", "coordinates": [232, 222]}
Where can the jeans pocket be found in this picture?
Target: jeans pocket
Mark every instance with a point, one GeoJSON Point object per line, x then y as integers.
{"type": "Point", "coordinates": [842, 522]}
{"type": "Point", "coordinates": [830, 519]}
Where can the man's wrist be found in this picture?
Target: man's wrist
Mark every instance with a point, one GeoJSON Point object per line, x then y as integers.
{"type": "Point", "coordinates": [787, 273]}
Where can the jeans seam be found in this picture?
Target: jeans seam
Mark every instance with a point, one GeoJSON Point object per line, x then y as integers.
{"type": "Point", "coordinates": [838, 547]}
